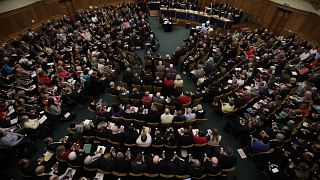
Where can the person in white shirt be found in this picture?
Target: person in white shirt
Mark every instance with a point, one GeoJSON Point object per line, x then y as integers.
{"type": "Point", "coordinates": [30, 123]}
{"type": "Point", "coordinates": [144, 140]}
{"type": "Point", "coordinates": [10, 139]}
{"type": "Point", "coordinates": [166, 117]}
{"type": "Point", "coordinates": [304, 55]}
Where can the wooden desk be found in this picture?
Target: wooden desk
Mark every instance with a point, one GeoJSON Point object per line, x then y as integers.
{"type": "Point", "coordinates": [200, 17]}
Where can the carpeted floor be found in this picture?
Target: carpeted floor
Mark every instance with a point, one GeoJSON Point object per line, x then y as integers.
{"type": "Point", "coordinates": [245, 169]}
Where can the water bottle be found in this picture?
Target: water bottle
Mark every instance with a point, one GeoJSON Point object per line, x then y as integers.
{"type": "Point", "coordinates": [190, 157]}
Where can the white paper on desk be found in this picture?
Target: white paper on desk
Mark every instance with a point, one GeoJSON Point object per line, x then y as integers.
{"type": "Point", "coordinates": [87, 121]}
{"type": "Point", "coordinates": [242, 154]}
{"type": "Point", "coordinates": [275, 170]}
{"type": "Point", "coordinates": [10, 108]}
{"type": "Point", "coordinates": [109, 109]}
{"type": "Point", "coordinates": [10, 112]}
{"type": "Point", "coordinates": [91, 71]}
{"type": "Point", "coordinates": [195, 131]}
{"type": "Point", "coordinates": [151, 95]}
{"type": "Point", "coordinates": [42, 119]}
{"type": "Point", "coordinates": [99, 176]}
{"type": "Point", "coordinates": [161, 97]}
{"type": "Point", "coordinates": [50, 64]}
{"type": "Point", "coordinates": [102, 148]}
{"type": "Point", "coordinates": [14, 121]}
{"type": "Point", "coordinates": [67, 115]}
{"type": "Point", "coordinates": [237, 69]}
{"type": "Point", "coordinates": [34, 74]}
{"type": "Point", "coordinates": [229, 81]}
{"type": "Point", "coordinates": [294, 73]}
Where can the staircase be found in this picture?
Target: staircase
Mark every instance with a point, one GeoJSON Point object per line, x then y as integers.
{"type": "Point", "coordinates": [154, 13]}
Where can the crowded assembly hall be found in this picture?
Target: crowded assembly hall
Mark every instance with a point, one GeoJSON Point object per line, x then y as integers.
{"type": "Point", "coordinates": [169, 89]}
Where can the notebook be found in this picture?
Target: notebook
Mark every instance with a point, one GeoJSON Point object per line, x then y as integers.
{"type": "Point", "coordinates": [99, 176]}
{"type": "Point", "coordinates": [242, 154]}
{"type": "Point", "coordinates": [67, 115]}
{"type": "Point", "coordinates": [43, 119]}
{"type": "Point", "coordinates": [14, 121]}
{"type": "Point", "coordinates": [87, 148]}
{"type": "Point", "coordinates": [101, 149]}
{"type": "Point", "coordinates": [47, 156]}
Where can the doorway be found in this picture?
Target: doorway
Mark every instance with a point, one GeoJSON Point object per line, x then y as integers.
{"type": "Point", "coordinates": [279, 20]}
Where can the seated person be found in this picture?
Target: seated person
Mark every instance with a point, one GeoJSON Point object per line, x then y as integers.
{"type": "Point", "coordinates": [200, 138]}
{"type": "Point", "coordinates": [166, 117]}
{"type": "Point", "coordinates": [116, 111]}
{"type": "Point", "coordinates": [153, 115]}
{"type": "Point", "coordinates": [144, 140]}
{"type": "Point", "coordinates": [185, 98]}
{"type": "Point", "coordinates": [199, 111]}
{"type": "Point", "coordinates": [10, 139]}
{"type": "Point", "coordinates": [195, 169]}
{"type": "Point", "coordinates": [122, 163]}
{"type": "Point", "coordinates": [50, 145]}
{"type": "Point", "coordinates": [135, 94]}
{"type": "Point", "coordinates": [227, 158]}
{"type": "Point", "coordinates": [106, 163]}
{"type": "Point", "coordinates": [28, 167]}
{"type": "Point", "coordinates": [158, 138]}
{"type": "Point", "coordinates": [116, 134]}
{"type": "Point", "coordinates": [227, 107]}
{"type": "Point", "coordinates": [214, 137]}
{"type": "Point", "coordinates": [185, 137]}
{"type": "Point", "coordinates": [130, 135]}
{"type": "Point", "coordinates": [177, 165]}
{"type": "Point", "coordinates": [129, 113]}
{"type": "Point", "coordinates": [212, 165]}
{"type": "Point", "coordinates": [155, 165]}
{"type": "Point", "coordinates": [147, 97]}
{"type": "Point", "coordinates": [179, 117]}
{"type": "Point", "coordinates": [258, 146]}
{"type": "Point", "coordinates": [158, 99]}
{"type": "Point", "coordinates": [76, 158]}
{"type": "Point", "coordinates": [189, 115]}
{"type": "Point", "coordinates": [138, 165]}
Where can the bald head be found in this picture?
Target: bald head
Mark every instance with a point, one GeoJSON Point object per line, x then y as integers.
{"type": "Point", "coordinates": [156, 159]}
{"type": "Point", "coordinates": [214, 161]}
{"type": "Point", "coordinates": [39, 170]}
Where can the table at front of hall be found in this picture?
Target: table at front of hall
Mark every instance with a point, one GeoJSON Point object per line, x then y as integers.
{"type": "Point", "coordinates": [197, 16]}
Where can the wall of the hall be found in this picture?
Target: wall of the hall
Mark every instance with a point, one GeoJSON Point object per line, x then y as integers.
{"type": "Point", "coordinates": [18, 21]}
{"type": "Point", "coordinates": [302, 23]}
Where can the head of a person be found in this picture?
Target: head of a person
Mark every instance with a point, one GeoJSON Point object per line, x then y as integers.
{"type": "Point", "coordinates": [167, 111]}
{"type": "Point", "coordinates": [40, 170]}
{"type": "Point", "coordinates": [143, 137]}
{"type": "Point", "coordinates": [48, 140]}
{"type": "Point", "coordinates": [229, 151]}
{"type": "Point", "coordinates": [196, 163]}
{"type": "Point", "coordinates": [199, 107]}
{"type": "Point", "coordinates": [120, 155]}
{"type": "Point", "coordinates": [158, 94]}
{"type": "Point", "coordinates": [214, 161]}
{"type": "Point", "coordinates": [107, 156]}
{"type": "Point", "coordinates": [139, 157]}
{"type": "Point", "coordinates": [156, 159]}
{"type": "Point", "coordinates": [24, 162]}
{"type": "Point", "coordinates": [178, 77]}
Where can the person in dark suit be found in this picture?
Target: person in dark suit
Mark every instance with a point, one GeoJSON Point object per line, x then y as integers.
{"type": "Point", "coordinates": [155, 165]}
{"type": "Point", "coordinates": [185, 137]}
{"type": "Point", "coordinates": [127, 76]}
{"type": "Point", "coordinates": [211, 165]}
{"type": "Point", "coordinates": [138, 165]}
{"type": "Point", "coordinates": [106, 163]}
{"type": "Point", "coordinates": [227, 158]}
{"type": "Point", "coordinates": [177, 165]}
{"type": "Point", "coordinates": [122, 164]}
{"type": "Point", "coordinates": [195, 169]}
{"type": "Point", "coordinates": [130, 135]}
{"type": "Point", "coordinates": [147, 79]}
{"type": "Point", "coordinates": [153, 115]}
